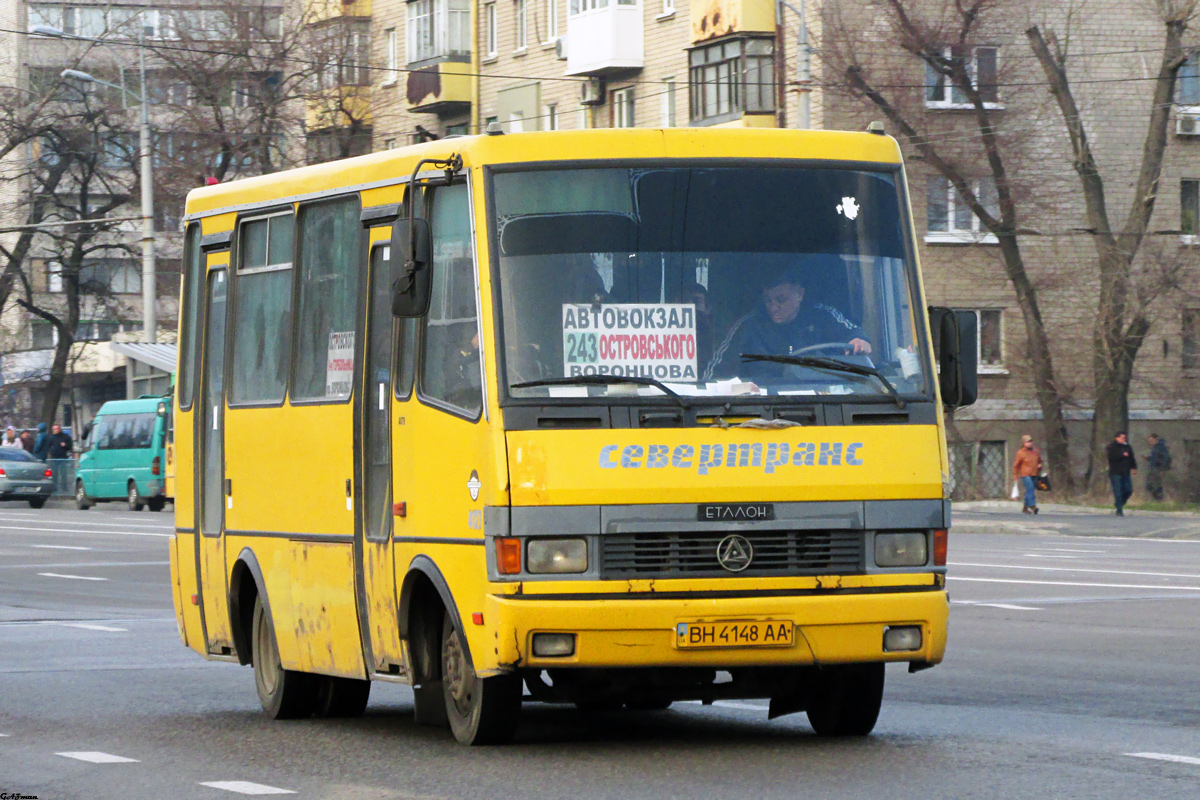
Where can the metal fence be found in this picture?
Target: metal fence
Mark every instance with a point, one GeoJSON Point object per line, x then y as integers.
{"type": "Point", "coordinates": [978, 470]}
{"type": "Point", "coordinates": [64, 476]}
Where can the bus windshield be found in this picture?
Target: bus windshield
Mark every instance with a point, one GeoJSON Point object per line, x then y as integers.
{"type": "Point", "coordinates": [677, 273]}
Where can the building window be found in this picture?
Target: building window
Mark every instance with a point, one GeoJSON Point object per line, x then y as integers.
{"type": "Point", "coordinates": [668, 102]}
{"type": "Point", "coordinates": [43, 335]}
{"type": "Point", "coordinates": [490, 28]}
{"type": "Point", "coordinates": [551, 20]}
{"type": "Point", "coordinates": [1189, 207]}
{"type": "Point", "coordinates": [948, 216]}
{"type": "Point", "coordinates": [551, 117]}
{"type": "Point", "coordinates": [942, 92]}
{"type": "Point", "coordinates": [731, 78]}
{"type": "Point", "coordinates": [111, 276]}
{"type": "Point", "coordinates": [391, 57]}
{"type": "Point", "coordinates": [668, 8]}
{"type": "Point", "coordinates": [1187, 82]}
{"type": "Point", "coordinates": [990, 341]}
{"type": "Point", "coordinates": [622, 108]}
{"type": "Point", "coordinates": [438, 29]}
{"type": "Point", "coordinates": [1190, 345]}
{"type": "Point", "coordinates": [583, 6]}
{"type": "Point", "coordinates": [583, 118]}
{"type": "Point", "coordinates": [521, 24]}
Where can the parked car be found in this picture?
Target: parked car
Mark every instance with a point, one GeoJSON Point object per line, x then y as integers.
{"type": "Point", "coordinates": [23, 477]}
{"type": "Point", "coordinates": [124, 455]}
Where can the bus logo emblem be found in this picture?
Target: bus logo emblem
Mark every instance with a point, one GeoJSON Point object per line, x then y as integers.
{"type": "Point", "coordinates": [735, 553]}
{"type": "Point", "coordinates": [473, 485]}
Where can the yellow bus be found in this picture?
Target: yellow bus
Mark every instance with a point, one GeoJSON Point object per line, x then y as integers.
{"type": "Point", "coordinates": [612, 418]}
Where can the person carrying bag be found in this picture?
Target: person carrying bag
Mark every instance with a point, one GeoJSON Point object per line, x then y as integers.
{"type": "Point", "coordinates": [1026, 468]}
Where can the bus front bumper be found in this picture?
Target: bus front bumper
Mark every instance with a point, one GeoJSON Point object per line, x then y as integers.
{"type": "Point", "coordinates": [641, 630]}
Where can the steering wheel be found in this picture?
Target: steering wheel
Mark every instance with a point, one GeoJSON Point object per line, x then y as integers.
{"type": "Point", "coordinates": [839, 347]}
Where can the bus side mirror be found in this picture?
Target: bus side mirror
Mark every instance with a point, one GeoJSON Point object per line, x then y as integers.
{"type": "Point", "coordinates": [412, 259]}
{"type": "Point", "coordinates": [955, 347]}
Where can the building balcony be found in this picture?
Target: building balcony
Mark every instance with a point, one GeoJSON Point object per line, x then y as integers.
{"type": "Point", "coordinates": [443, 88]}
{"type": "Point", "coordinates": [712, 19]}
{"type": "Point", "coordinates": [604, 36]}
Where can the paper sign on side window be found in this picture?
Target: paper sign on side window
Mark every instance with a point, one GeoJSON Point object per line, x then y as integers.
{"type": "Point", "coordinates": [339, 366]}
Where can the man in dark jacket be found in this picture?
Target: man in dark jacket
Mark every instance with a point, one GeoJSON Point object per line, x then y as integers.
{"type": "Point", "coordinates": [1159, 461]}
{"type": "Point", "coordinates": [58, 446]}
{"type": "Point", "coordinates": [784, 325]}
{"type": "Point", "coordinates": [1122, 466]}
{"type": "Point", "coordinates": [41, 443]}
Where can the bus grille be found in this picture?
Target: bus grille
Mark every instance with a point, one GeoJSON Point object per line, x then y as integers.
{"type": "Point", "coordinates": [692, 554]}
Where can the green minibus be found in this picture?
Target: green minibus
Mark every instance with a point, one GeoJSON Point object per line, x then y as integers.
{"type": "Point", "coordinates": [124, 455]}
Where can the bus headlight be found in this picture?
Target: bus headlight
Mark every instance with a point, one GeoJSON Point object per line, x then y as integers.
{"type": "Point", "coordinates": [545, 556]}
{"type": "Point", "coordinates": [901, 550]}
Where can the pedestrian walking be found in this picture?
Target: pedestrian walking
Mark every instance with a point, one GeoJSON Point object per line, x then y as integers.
{"type": "Point", "coordinates": [42, 443]}
{"type": "Point", "coordinates": [1122, 466]}
{"type": "Point", "coordinates": [1158, 462]}
{"type": "Point", "coordinates": [10, 438]}
{"type": "Point", "coordinates": [58, 449]}
{"type": "Point", "coordinates": [1026, 467]}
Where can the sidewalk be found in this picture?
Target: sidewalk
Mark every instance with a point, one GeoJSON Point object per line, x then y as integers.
{"type": "Point", "coordinates": [1014, 507]}
{"type": "Point", "coordinates": [1004, 516]}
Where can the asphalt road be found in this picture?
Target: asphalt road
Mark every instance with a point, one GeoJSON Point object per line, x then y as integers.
{"type": "Point", "coordinates": [1073, 671]}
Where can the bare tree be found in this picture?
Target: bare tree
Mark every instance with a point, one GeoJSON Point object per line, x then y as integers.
{"type": "Point", "coordinates": [1121, 321]}
{"type": "Point", "coordinates": [941, 41]}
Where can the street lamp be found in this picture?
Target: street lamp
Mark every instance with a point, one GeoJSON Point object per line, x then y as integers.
{"type": "Point", "coordinates": [149, 316]}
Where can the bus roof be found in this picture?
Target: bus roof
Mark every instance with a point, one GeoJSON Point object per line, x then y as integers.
{"type": "Point", "coordinates": [394, 166]}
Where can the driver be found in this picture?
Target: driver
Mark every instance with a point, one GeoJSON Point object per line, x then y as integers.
{"type": "Point", "coordinates": [783, 326]}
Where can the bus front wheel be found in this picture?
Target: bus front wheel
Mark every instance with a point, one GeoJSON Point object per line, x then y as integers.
{"type": "Point", "coordinates": [846, 700]}
{"type": "Point", "coordinates": [284, 694]}
{"type": "Point", "coordinates": [480, 710]}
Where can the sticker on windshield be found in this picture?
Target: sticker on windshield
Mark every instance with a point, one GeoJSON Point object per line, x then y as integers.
{"type": "Point", "coordinates": [649, 340]}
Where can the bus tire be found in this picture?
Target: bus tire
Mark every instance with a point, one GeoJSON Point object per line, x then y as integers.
{"type": "Point", "coordinates": [284, 693]}
{"type": "Point", "coordinates": [82, 501]}
{"type": "Point", "coordinates": [481, 710]}
{"type": "Point", "coordinates": [156, 503]}
{"type": "Point", "coordinates": [846, 700]}
{"type": "Point", "coordinates": [135, 497]}
{"type": "Point", "coordinates": [341, 697]}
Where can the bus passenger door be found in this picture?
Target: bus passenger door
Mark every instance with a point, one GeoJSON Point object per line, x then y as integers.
{"type": "Point", "coordinates": [377, 577]}
{"type": "Point", "coordinates": [210, 468]}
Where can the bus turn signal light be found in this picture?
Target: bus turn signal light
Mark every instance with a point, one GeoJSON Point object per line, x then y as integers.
{"type": "Point", "coordinates": [939, 548]}
{"type": "Point", "coordinates": [508, 556]}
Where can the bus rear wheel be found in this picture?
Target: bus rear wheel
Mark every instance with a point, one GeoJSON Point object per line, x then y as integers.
{"type": "Point", "coordinates": [846, 700]}
{"type": "Point", "coordinates": [341, 697]}
{"type": "Point", "coordinates": [284, 693]}
{"type": "Point", "coordinates": [481, 710]}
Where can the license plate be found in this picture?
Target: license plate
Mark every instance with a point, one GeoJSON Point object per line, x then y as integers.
{"type": "Point", "coordinates": [25, 489]}
{"type": "Point", "coordinates": [735, 633]}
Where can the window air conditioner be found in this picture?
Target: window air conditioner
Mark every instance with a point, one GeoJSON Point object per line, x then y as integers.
{"type": "Point", "coordinates": [592, 92]}
{"type": "Point", "coordinates": [1187, 123]}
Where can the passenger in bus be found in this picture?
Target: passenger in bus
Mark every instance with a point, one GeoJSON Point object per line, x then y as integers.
{"type": "Point", "coordinates": [783, 325]}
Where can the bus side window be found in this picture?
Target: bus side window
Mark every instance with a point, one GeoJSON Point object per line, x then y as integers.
{"type": "Point", "coordinates": [450, 371]}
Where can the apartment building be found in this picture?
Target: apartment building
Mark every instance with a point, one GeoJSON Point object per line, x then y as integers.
{"type": "Point", "coordinates": [213, 113]}
{"type": "Point", "coordinates": [563, 64]}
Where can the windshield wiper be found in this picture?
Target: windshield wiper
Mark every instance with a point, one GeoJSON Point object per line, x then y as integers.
{"type": "Point", "coordinates": [603, 380]}
{"type": "Point", "coordinates": [833, 365]}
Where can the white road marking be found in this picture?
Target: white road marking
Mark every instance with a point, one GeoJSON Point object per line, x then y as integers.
{"type": "Point", "coordinates": [88, 564]}
{"type": "Point", "coordinates": [1045, 555]}
{"type": "Point", "coordinates": [80, 530]}
{"type": "Point", "coordinates": [99, 758]}
{"type": "Point", "coordinates": [158, 525]}
{"type": "Point", "coordinates": [731, 704]}
{"type": "Point", "coordinates": [89, 626]}
{"type": "Point", "coordinates": [1068, 550]}
{"type": "Point", "coordinates": [1166, 757]}
{"type": "Point", "coordinates": [1158, 588]}
{"type": "Point", "coordinates": [1009, 606]}
{"type": "Point", "coordinates": [59, 547]}
{"type": "Point", "coordinates": [71, 577]}
{"type": "Point", "coordinates": [246, 787]}
{"type": "Point", "coordinates": [1078, 569]}
{"type": "Point", "coordinates": [3, 735]}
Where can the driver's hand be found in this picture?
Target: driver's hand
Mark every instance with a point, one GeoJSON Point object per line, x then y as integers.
{"type": "Point", "coordinates": [861, 346]}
